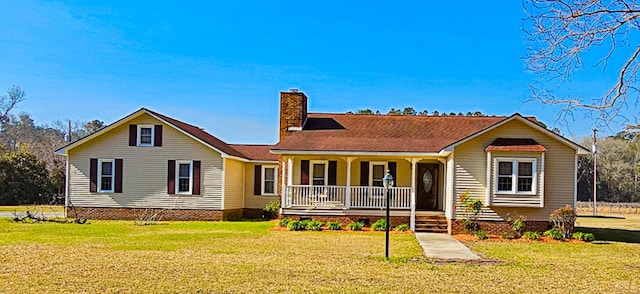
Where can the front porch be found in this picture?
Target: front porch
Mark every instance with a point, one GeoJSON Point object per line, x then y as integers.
{"type": "Point", "coordinates": [325, 185]}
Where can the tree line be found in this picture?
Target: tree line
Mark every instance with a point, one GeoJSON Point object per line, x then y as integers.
{"type": "Point", "coordinates": [30, 171]}
{"type": "Point", "coordinates": [412, 111]}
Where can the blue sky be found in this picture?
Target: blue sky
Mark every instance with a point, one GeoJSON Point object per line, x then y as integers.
{"type": "Point", "coordinates": [221, 64]}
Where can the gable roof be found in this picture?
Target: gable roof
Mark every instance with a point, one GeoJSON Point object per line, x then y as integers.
{"type": "Point", "coordinates": [326, 132]}
{"type": "Point", "coordinates": [190, 130]}
{"type": "Point", "coordinates": [382, 133]}
{"type": "Point", "coordinates": [256, 152]}
{"type": "Point", "coordinates": [580, 150]}
{"type": "Point", "coordinates": [198, 133]}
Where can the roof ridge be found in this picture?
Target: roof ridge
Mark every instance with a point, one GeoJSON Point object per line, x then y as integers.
{"type": "Point", "coordinates": [394, 115]}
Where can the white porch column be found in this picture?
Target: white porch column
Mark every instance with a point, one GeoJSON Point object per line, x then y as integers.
{"type": "Point", "coordinates": [283, 188]}
{"type": "Point", "coordinates": [414, 173]}
{"type": "Point", "coordinates": [348, 195]}
{"type": "Point", "coordinates": [290, 171]}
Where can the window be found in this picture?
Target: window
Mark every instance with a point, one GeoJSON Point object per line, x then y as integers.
{"type": "Point", "coordinates": [145, 135]}
{"type": "Point", "coordinates": [376, 173]}
{"type": "Point", "coordinates": [319, 173]}
{"type": "Point", "coordinates": [105, 175]}
{"type": "Point", "coordinates": [505, 170]}
{"type": "Point", "coordinates": [185, 177]}
{"type": "Point", "coordinates": [517, 176]}
{"type": "Point", "coordinates": [269, 182]}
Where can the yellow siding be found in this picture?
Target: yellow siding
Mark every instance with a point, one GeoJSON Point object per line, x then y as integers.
{"type": "Point", "coordinates": [255, 201]}
{"type": "Point", "coordinates": [471, 165]}
{"type": "Point", "coordinates": [233, 184]}
{"type": "Point", "coordinates": [145, 170]}
{"type": "Point", "coordinates": [403, 172]}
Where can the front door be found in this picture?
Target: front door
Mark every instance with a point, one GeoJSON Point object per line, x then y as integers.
{"type": "Point", "coordinates": [427, 189]}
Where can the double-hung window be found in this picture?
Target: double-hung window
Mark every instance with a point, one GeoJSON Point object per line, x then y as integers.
{"type": "Point", "coordinates": [105, 175]}
{"type": "Point", "coordinates": [184, 170]}
{"type": "Point", "coordinates": [269, 180]}
{"type": "Point", "coordinates": [145, 135]}
{"type": "Point", "coordinates": [516, 175]}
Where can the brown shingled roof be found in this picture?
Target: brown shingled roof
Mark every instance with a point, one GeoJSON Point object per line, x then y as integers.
{"type": "Point", "coordinates": [256, 152]}
{"type": "Point", "coordinates": [383, 133]}
{"type": "Point", "coordinates": [515, 144]}
{"type": "Point", "coordinates": [200, 134]}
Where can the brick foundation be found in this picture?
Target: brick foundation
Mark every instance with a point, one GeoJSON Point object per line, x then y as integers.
{"type": "Point", "coordinates": [167, 215]}
{"type": "Point", "coordinates": [346, 219]}
{"type": "Point", "coordinates": [497, 227]}
{"type": "Point", "coordinates": [136, 213]}
{"type": "Point", "coordinates": [252, 213]}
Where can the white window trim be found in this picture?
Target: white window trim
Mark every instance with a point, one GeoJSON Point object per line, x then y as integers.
{"type": "Point", "coordinates": [371, 164]}
{"type": "Point", "coordinates": [514, 175]}
{"type": "Point", "coordinates": [177, 179]}
{"type": "Point", "coordinates": [113, 175]}
{"type": "Point", "coordinates": [326, 171]}
{"type": "Point", "coordinates": [275, 180]}
{"type": "Point", "coordinates": [153, 135]}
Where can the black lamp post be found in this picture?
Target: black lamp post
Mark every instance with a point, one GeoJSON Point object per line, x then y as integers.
{"type": "Point", "coordinates": [387, 181]}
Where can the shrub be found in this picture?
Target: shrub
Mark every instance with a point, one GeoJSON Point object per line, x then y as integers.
{"type": "Point", "coordinates": [508, 235]}
{"type": "Point", "coordinates": [481, 235]}
{"type": "Point", "coordinates": [379, 225]}
{"type": "Point", "coordinates": [314, 226]}
{"type": "Point", "coordinates": [336, 226]}
{"type": "Point", "coordinates": [564, 220]}
{"type": "Point", "coordinates": [531, 235]}
{"type": "Point", "coordinates": [472, 207]}
{"type": "Point", "coordinates": [295, 225]}
{"type": "Point", "coordinates": [402, 228]}
{"type": "Point", "coordinates": [587, 237]}
{"type": "Point", "coordinates": [554, 233]}
{"type": "Point", "coordinates": [355, 226]}
{"type": "Point", "coordinates": [517, 224]}
{"type": "Point", "coordinates": [272, 209]}
{"type": "Point", "coordinates": [284, 222]}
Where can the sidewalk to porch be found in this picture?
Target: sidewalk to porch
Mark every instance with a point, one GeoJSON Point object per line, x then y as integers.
{"type": "Point", "coordinates": [444, 246]}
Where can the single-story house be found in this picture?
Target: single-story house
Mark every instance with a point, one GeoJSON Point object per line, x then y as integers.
{"type": "Point", "coordinates": [328, 167]}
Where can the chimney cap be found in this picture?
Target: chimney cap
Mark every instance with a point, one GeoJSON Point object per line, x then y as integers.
{"type": "Point", "coordinates": [293, 90]}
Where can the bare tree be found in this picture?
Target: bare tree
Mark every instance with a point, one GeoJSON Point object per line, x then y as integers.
{"type": "Point", "coordinates": [15, 94]}
{"type": "Point", "coordinates": [568, 36]}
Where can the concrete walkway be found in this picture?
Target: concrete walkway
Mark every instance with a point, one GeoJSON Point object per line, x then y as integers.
{"type": "Point", "coordinates": [444, 246]}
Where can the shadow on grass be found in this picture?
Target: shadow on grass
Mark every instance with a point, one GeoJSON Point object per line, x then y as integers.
{"type": "Point", "coordinates": [614, 235]}
{"type": "Point", "coordinates": [601, 216]}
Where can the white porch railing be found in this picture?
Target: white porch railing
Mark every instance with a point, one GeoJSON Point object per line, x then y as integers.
{"type": "Point", "coordinates": [315, 196]}
{"type": "Point", "coordinates": [336, 197]}
{"type": "Point", "coordinates": [374, 197]}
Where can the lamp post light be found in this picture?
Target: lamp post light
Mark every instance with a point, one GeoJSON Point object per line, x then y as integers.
{"type": "Point", "coordinates": [387, 181]}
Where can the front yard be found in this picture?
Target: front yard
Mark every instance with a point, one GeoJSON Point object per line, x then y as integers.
{"type": "Point", "coordinates": [187, 257]}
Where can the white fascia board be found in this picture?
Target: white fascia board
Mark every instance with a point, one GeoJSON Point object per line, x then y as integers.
{"type": "Point", "coordinates": [361, 153]}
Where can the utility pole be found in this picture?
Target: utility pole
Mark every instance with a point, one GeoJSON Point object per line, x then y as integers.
{"type": "Point", "coordinates": [595, 160]}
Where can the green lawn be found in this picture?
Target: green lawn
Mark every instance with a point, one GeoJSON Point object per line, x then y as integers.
{"type": "Point", "coordinates": [188, 257]}
{"type": "Point", "coordinates": [33, 208]}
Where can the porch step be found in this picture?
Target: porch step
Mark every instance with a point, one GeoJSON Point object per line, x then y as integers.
{"type": "Point", "coordinates": [431, 223]}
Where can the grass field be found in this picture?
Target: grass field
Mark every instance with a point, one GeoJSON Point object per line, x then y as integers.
{"type": "Point", "coordinates": [188, 257]}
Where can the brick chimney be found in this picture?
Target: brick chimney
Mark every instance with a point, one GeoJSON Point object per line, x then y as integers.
{"type": "Point", "coordinates": [293, 111]}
